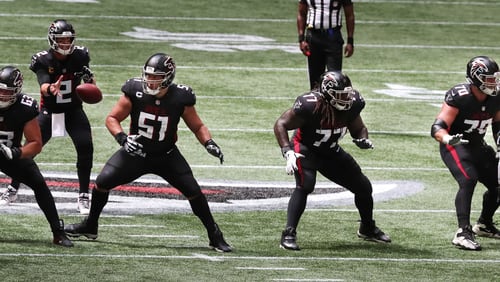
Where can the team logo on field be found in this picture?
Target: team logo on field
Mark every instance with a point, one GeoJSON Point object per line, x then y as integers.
{"type": "Point", "coordinates": [213, 42]}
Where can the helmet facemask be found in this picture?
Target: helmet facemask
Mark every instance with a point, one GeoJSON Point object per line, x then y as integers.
{"type": "Point", "coordinates": [483, 72]}
{"type": "Point", "coordinates": [60, 47]}
{"type": "Point", "coordinates": [337, 90]}
{"type": "Point", "coordinates": [162, 67]}
{"type": "Point", "coordinates": [147, 82]}
{"type": "Point", "coordinates": [490, 84]}
{"type": "Point", "coordinates": [61, 37]}
{"type": "Point", "coordinates": [341, 99]}
{"type": "Point", "coordinates": [7, 96]}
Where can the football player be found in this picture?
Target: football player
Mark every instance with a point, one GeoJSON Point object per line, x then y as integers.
{"type": "Point", "coordinates": [18, 114]}
{"type": "Point", "coordinates": [59, 70]}
{"type": "Point", "coordinates": [155, 106]}
{"type": "Point", "coordinates": [467, 111]}
{"type": "Point", "coordinates": [320, 118]}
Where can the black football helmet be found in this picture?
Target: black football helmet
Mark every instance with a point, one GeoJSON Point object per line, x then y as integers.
{"type": "Point", "coordinates": [483, 72]}
{"type": "Point", "coordinates": [11, 83]}
{"type": "Point", "coordinates": [337, 90]}
{"type": "Point", "coordinates": [159, 64]}
{"type": "Point", "coordinates": [61, 29]}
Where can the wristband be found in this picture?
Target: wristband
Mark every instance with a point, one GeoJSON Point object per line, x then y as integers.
{"type": "Point", "coordinates": [350, 40]}
{"type": "Point", "coordinates": [301, 38]}
{"type": "Point", "coordinates": [285, 149]}
{"type": "Point", "coordinates": [121, 138]}
{"type": "Point", "coordinates": [210, 142]}
{"type": "Point", "coordinates": [16, 153]}
{"type": "Point", "coordinates": [438, 125]}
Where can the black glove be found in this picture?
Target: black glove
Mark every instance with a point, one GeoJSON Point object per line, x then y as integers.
{"type": "Point", "coordinates": [363, 143]}
{"type": "Point", "coordinates": [214, 150]}
{"type": "Point", "coordinates": [86, 74]}
{"type": "Point", "coordinates": [10, 153]}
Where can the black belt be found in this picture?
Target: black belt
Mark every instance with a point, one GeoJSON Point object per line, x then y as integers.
{"type": "Point", "coordinates": [328, 30]}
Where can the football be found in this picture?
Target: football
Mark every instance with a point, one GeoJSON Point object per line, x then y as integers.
{"type": "Point", "coordinates": [89, 93]}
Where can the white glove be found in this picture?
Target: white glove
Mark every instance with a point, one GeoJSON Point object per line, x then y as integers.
{"type": "Point", "coordinates": [498, 179]}
{"type": "Point", "coordinates": [363, 143]}
{"type": "Point", "coordinates": [10, 153]}
{"type": "Point", "coordinates": [133, 147]}
{"type": "Point", "coordinates": [454, 140]}
{"type": "Point", "coordinates": [291, 161]}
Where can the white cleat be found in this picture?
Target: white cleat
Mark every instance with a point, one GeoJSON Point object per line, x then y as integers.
{"type": "Point", "coordinates": [83, 203]}
{"type": "Point", "coordinates": [8, 196]}
{"type": "Point", "coordinates": [465, 239]}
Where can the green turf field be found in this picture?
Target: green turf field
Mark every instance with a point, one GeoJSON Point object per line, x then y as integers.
{"type": "Point", "coordinates": [242, 60]}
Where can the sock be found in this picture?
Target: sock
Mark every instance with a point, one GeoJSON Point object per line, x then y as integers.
{"type": "Point", "coordinates": [99, 200]}
{"type": "Point", "coordinates": [199, 205]}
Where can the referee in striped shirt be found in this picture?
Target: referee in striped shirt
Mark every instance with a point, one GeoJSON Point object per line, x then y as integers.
{"type": "Point", "coordinates": [319, 24]}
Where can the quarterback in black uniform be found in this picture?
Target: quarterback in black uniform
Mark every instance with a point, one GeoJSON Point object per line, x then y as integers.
{"type": "Point", "coordinates": [468, 109]}
{"type": "Point", "coordinates": [59, 70]}
{"type": "Point", "coordinates": [320, 119]}
{"type": "Point", "coordinates": [18, 114]}
{"type": "Point", "coordinates": [155, 106]}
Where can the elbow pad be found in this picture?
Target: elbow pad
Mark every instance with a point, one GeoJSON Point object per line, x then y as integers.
{"type": "Point", "coordinates": [438, 125]}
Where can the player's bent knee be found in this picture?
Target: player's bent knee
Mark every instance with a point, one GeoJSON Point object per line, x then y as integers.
{"type": "Point", "coordinates": [102, 190]}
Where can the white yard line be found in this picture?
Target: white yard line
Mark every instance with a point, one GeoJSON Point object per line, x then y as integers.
{"type": "Point", "coordinates": [226, 257]}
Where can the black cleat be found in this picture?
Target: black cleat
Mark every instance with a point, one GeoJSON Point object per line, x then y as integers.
{"type": "Point", "coordinates": [60, 237]}
{"type": "Point", "coordinates": [288, 239]}
{"type": "Point", "coordinates": [373, 233]}
{"type": "Point", "coordinates": [486, 229]}
{"type": "Point", "coordinates": [81, 229]}
{"type": "Point", "coordinates": [217, 241]}
{"type": "Point", "coordinates": [62, 240]}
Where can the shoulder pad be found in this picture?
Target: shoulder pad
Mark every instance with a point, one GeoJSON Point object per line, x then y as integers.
{"type": "Point", "coordinates": [458, 95]}
{"type": "Point", "coordinates": [184, 93]}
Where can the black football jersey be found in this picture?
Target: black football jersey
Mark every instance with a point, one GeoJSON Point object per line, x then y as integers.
{"type": "Point", "coordinates": [473, 117]}
{"type": "Point", "coordinates": [323, 137]}
{"type": "Point", "coordinates": [14, 118]}
{"type": "Point", "coordinates": [156, 120]}
{"type": "Point", "coordinates": [46, 62]}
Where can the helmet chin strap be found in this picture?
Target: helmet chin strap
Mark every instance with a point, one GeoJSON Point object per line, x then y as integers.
{"type": "Point", "coordinates": [6, 104]}
{"type": "Point", "coordinates": [155, 92]}
{"type": "Point", "coordinates": [64, 52]}
{"type": "Point", "coordinates": [488, 91]}
{"type": "Point", "coordinates": [340, 107]}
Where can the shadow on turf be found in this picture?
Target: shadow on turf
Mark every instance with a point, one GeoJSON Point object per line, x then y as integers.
{"type": "Point", "coordinates": [364, 246]}
{"type": "Point", "coordinates": [136, 245]}
{"type": "Point", "coordinates": [27, 243]}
